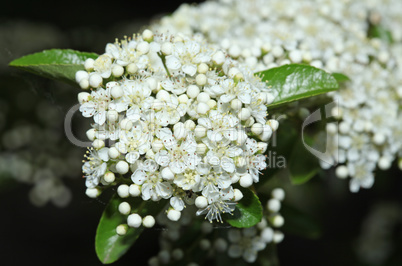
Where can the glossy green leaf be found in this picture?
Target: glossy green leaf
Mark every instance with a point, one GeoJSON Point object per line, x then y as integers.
{"type": "Point", "coordinates": [302, 164]}
{"type": "Point", "coordinates": [299, 223]}
{"type": "Point", "coordinates": [377, 31]}
{"type": "Point", "coordinates": [295, 82]}
{"type": "Point", "coordinates": [59, 64]}
{"type": "Point", "coordinates": [109, 245]}
{"type": "Point", "coordinates": [248, 211]}
{"type": "Point", "coordinates": [340, 77]}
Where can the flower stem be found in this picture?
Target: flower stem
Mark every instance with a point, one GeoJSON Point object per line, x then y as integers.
{"type": "Point", "coordinates": [164, 63]}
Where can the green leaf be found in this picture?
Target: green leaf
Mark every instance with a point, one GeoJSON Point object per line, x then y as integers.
{"type": "Point", "coordinates": [340, 77]}
{"type": "Point", "coordinates": [377, 31]}
{"type": "Point", "coordinates": [56, 64]}
{"type": "Point", "coordinates": [295, 81]}
{"type": "Point", "coordinates": [248, 211]}
{"type": "Point", "coordinates": [302, 164]}
{"type": "Point", "coordinates": [300, 223]}
{"type": "Point", "coordinates": [109, 245]}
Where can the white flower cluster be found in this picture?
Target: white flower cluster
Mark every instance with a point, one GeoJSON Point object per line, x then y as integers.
{"type": "Point", "coordinates": [174, 119]}
{"type": "Point", "coordinates": [332, 35]}
{"type": "Point", "coordinates": [235, 243]}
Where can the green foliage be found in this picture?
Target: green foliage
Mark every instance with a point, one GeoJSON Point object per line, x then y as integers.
{"type": "Point", "coordinates": [248, 211]}
{"type": "Point", "coordinates": [377, 31]}
{"type": "Point", "coordinates": [295, 82]}
{"type": "Point", "coordinates": [59, 64]}
{"type": "Point", "coordinates": [108, 244]}
{"type": "Point", "coordinates": [340, 77]}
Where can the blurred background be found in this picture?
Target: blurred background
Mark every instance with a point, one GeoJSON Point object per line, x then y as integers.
{"type": "Point", "coordinates": [46, 218]}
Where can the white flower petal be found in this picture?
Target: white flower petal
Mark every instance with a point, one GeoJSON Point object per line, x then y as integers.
{"type": "Point", "coordinates": [138, 177]}
{"type": "Point", "coordinates": [132, 157]}
{"type": "Point", "coordinates": [189, 69]}
{"type": "Point", "coordinates": [172, 62]}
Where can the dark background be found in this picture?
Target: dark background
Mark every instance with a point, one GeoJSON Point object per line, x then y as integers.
{"type": "Point", "coordinates": [65, 236]}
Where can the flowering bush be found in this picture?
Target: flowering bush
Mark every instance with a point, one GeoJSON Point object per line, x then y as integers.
{"type": "Point", "coordinates": [185, 117]}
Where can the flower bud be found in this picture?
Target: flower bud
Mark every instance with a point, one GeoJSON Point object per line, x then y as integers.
{"type": "Point", "coordinates": [95, 80]}
{"type": "Point", "coordinates": [201, 202]}
{"type": "Point", "coordinates": [167, 174]}
{"type": "Point", "coordinates": [236, 104]}
{"type": "Point", "coordinates": [189, 125]}
{"type": "Point", "coordinates": [384, 163]}
{"type": "Point", "coordinates": [91, 134]}
{"type": "Point", "coordinates": [200, 131]}
{"type": "Point", "coordinates": [109, 177]}
{"type": "Point", "coordinates": [134, 220]}
{"type": "Point", "coordinates": [122, 167]}
{"type": "Point", "coordinates": [201, 148]}
{"type": "Point", "coordinates": [121, 229]}
{"type": "Point", "coordinates": [117, 71]}
{"type": "Point", "coordinates": [342, 172]}
{"type": "Point", "coordinates": [273, 205]}
{"type": "Point", "coordinates": [148, 221]}
{"type": "Point", "coordinates": [173, 215]}
{"type": "Point", "coordinates": [98, 144]}
{"type": "Point", "coordinates": [116, 92]}
{"type": "Point", "coordinates": [212, 104]}
{"type": "Point", "coordinates": [179, 131]}
{"type": "Point", "coordinates": [202, 108]}
{"type": "Point", "coordinates": [126, 124]}
{"type": "Point", "coordinates": [277, 220]}
{"type": "Point", "coordinates": [143, 47]}
{"type": "Point", "coordinates": [157, 145]}
{"type": "Point", "coordinates": [246, 180]}
{"type": "Point", "coordinates": [274, 124]}
{"type": "Point", "coordinates": [113, 153]}
{"type": "Point", "coordinates": [134, 190]}
{"type": "Point", "coordinates": [112, 116]}
{"type": "Point", "coordinates": [124, 208]}
{"type": "Point", "coordinates": [238, 195]}
{"type": "Point", "coordinates": [92, 192]}
{"type": "Point", "coordinates": [233, 72]}
{"type": "Point", "coordinates": [84, 84]}
{"type": "Point", "coordinates": [201, 79]}
{"type": "Point", "coordinates": [132, 68]}
{"type": "Point", "coordinates": [183, 98]}
{"type": "Point", "coordinates": [81, 75]}
{"type": "Point", "coordinates": [267, 235]}
{"type": "Point", "coordinates": [278, 237]}
{"type": "Point", "coordinates": [278, 193]}
{"type": "Point", "coordinates": [218, 58]}
{"type": "Point", "coordinates": [122, 191]}
{"type": "Point", "coordinates": [257, 128]}
{"type": "Point", "coordinates": [203, 97]}
{"type": "Point", "coordinates": [244, 114]}
{"type": "Point", "coordinates": [147, 35]}
{"type": "Point", "coordinates": [202, 68]}
{"type": "Point", "coordinates": [167, 48]}
{"type": "Point", "coordinates": [89, 64]}
{"type": "Point", "coordinates": [193, 91]}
